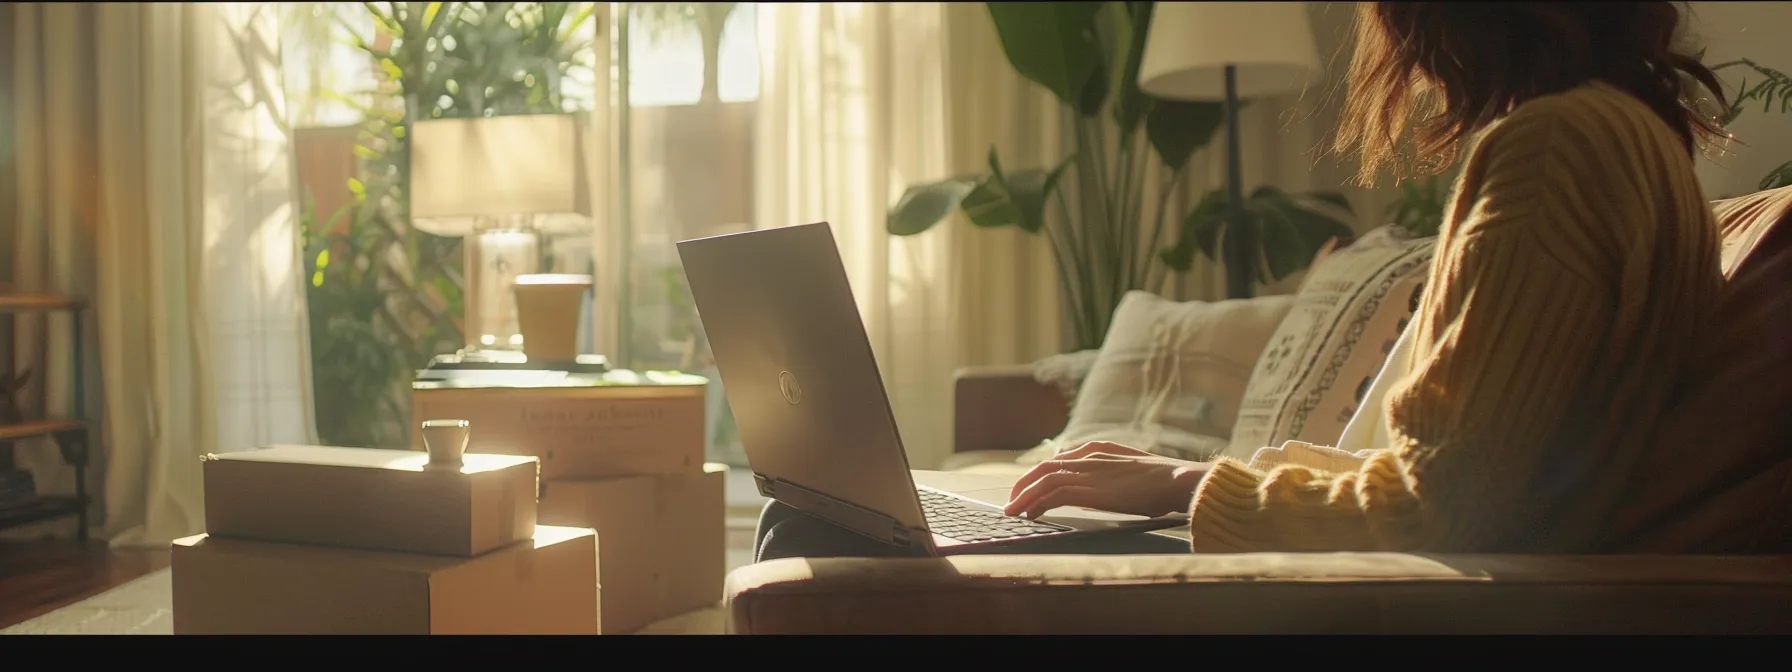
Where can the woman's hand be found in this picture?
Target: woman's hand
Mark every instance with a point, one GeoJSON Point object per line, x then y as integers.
{"type": "Point", "coordinates": [1109, 477]}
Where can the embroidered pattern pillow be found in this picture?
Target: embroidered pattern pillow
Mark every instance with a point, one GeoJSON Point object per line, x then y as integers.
{"type": "Point", "coordinates": [1325, 355]}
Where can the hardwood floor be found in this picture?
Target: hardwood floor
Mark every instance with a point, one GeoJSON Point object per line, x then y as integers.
{"type": "Point", "coordinates": [37, 577]}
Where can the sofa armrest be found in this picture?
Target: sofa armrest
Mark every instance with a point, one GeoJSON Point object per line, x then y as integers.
{"type": "Point", "coordinates": [1004, 408]}
{"type": "Point", "coordinates": [1264, 593]}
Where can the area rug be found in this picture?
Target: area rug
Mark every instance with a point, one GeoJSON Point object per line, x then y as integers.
{"type": "Point", "coordinates": [144, 606]}
{"type": "Point", "coordinates": [140, 607]}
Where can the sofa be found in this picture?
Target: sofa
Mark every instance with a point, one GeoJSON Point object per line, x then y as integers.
{"type": "Point", "coordinates": [1744, 395]}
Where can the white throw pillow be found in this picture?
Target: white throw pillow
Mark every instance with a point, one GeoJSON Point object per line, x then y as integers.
{"type": "Point", "coordinates": [1368, 429]}
{"type": "Point", "coordinates": [1169, 376]}
{"type": "Point", "coordinates": [1323, 358]}
{"type": "Point", "coordinates": [1066, 371]}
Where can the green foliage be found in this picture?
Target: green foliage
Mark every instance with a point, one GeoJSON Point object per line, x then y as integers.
{"type": "Point", "coordinates": [1779, 177]}
{"type": "Point", "coordinates": [352, 360]}
{"type": "Point", "coordinates": [385, 297]}
{"type": "Point", "coordinates": [1293, 228]}
{"type": "Point", "coordinates": [1088, 55]}
{"type": "Point", "coordinates": [1055, 44]}
{"type": "Point", "coordinates": [1772, 89]}
{"type": "Point", "coordinates": [1420, 209]}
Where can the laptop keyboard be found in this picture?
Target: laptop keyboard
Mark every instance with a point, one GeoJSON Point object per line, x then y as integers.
{"type": "Point", "coordinates": [958, 519]}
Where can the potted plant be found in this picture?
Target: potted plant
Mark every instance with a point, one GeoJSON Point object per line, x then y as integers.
{"type": "Point", "coordinates": [1091, 206]}
{"type": "Point", "coordinates": [1772, 89]}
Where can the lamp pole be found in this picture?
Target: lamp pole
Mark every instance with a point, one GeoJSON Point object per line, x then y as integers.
{"type": "Point", "coordinates": [1237, 246]}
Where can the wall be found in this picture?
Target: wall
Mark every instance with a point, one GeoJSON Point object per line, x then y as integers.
{"type": "Point", "coordinates": [1332, 25]}
{"type": "Point", "coordinates": [1762, 32]}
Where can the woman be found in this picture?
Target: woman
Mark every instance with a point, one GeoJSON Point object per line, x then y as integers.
{"type": "Point", "coordinates": [1576, 271]}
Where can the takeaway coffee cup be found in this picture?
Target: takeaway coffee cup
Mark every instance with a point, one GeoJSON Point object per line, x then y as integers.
{"type": "Point", "coordinates": [547, 312]}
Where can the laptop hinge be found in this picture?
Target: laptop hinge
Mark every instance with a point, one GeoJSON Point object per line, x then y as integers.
{"type": "Point", "coordinates": [834, 510]}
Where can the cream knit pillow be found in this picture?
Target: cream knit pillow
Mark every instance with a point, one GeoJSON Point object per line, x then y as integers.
{"type": "Point", "coordinates": [1322, 359]}
{"type": "Point", "coordinates": [1169, 375]}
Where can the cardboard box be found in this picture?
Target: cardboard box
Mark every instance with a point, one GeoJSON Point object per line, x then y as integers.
{"type": "Point", "coordinates": [544, 586]}
{"type": "Point", "coordinates": [662, 540]}
{"type": "Point", "coordinates": [623, 424]}
{"type": "Point", "coordinates": [387, 500]}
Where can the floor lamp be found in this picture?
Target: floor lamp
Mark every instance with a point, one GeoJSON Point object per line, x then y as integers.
{"type": "Point", "coordinates": [1229, 51]}
{"type": "Point", "coordinates": [502, 182]}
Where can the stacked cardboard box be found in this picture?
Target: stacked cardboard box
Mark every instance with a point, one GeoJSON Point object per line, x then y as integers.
{"type": "Point", "coordinates": [621, 453]}
{"type": "Point", "coordinates": [315, 540]}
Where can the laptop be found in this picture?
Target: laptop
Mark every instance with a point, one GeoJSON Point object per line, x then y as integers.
{"type": "Point", "coordinates": [810, 406]}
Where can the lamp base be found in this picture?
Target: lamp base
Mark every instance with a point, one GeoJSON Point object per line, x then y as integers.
{"type": "Point", "coordinates": [494, 259]}
{"type": "Point", "coordinates": [471, 361]}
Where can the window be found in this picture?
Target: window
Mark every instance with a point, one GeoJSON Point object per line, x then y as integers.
{"type": "Point", "coordinates": [385, 297]}
{"type": "Point", "coordinates": [693, 83]}
{"type": "Point", "coordinates": [675, 47]}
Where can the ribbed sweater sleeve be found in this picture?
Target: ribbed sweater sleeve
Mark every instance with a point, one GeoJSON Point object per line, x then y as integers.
{"type": "Point", "coordinates": [1525, 292]}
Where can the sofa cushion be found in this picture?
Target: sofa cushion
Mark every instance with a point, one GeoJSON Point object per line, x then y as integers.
{"type": "Point", "coordinates": [1065, 371]}
{"type": "Point", "coordinates": [1350, 311]}
{"type": "Point", "coordinates": [1169, 375]}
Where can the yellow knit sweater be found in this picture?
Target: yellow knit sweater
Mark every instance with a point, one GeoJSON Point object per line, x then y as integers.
{"type": "Point", "coordinates": [1576, 270]}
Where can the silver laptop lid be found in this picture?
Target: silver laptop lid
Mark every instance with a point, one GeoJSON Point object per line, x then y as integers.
{"type": "Point", "coordinates": [801, 377]}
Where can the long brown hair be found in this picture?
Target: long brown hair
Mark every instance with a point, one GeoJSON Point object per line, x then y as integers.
{"type": "Point", "coordinates": [1444, 70]}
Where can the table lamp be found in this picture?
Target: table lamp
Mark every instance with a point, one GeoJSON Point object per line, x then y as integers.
{"type": "Point", "coordinates": [503, 182]}
{"type": "Point", "coordinates": [1207, 51]}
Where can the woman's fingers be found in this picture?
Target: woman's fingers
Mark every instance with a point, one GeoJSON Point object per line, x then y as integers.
{"type": "Point", "coordinates": [1097, 447]}
{"type": "Point", "coordinates": [1026, 480]}
{"type": "Point", "coordinates": [1095, 462]}
{"type": "Point", "coordinates": [1069, 495]}
{"type": "Point", "coordinates": [1038, 488]}
{"type": "Point", "coordinates": [1079, 451]}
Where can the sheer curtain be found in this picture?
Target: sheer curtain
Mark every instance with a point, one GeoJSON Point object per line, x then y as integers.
{"type": "Point", "coordinates": [859, 100]}
{"type": "Point", "coordinates": [152, 177]}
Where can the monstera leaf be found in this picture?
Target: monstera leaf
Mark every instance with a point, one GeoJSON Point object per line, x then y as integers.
{"type": "Point", "coordinates": [1057, 45]}
{"type": "Point", "coordinates": [999, 198]}
{"type": "Point", "coordinates": [1288, 230]}
{"type": "Point", "coordinates": [1088, 55]}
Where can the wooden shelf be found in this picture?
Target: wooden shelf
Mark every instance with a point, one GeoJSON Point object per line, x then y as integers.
{"type": "Point", "coordinates": [19, 303]}
{"type": "Point", "coordinates": [70, 435]}
{"type": "Point", "coordinates": [31, 428]}
{"type": "Point", "coordinates": [39, 510]}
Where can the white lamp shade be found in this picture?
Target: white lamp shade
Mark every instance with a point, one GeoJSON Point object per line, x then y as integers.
{"type": "Point", "coordinates": [1190, 44]}
{"type": "Point", "coordinates": [463, 170]}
